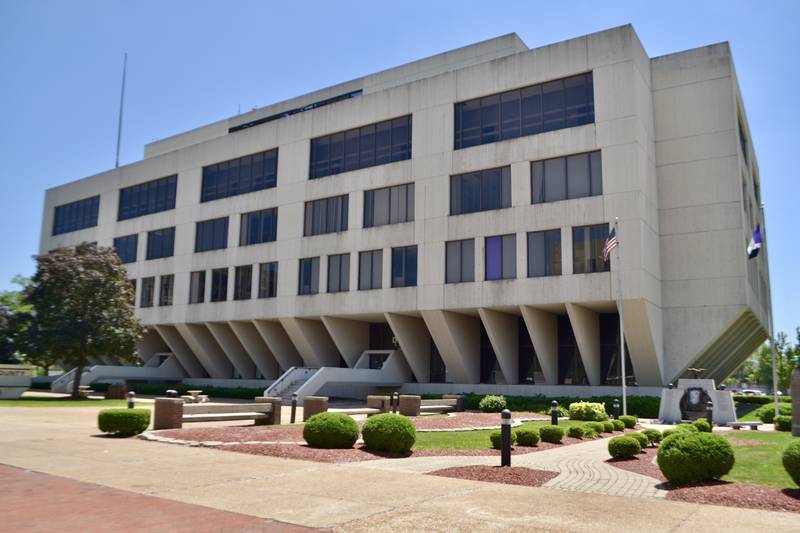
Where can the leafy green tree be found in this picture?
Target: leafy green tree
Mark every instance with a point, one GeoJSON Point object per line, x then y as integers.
{"type": "Point", "coordinates": [758, 367]}
{"type": "Point", "coordinates": [82, 305]}
{"type": "Point", "coordinates": [12, 308]}
{"type": "Point", "coordinates": [7, 348]}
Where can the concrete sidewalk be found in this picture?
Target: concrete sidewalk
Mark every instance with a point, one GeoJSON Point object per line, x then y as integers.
{"type": "Point", "coordinates": [349, 497]}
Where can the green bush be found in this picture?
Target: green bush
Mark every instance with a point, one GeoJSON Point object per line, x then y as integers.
{"type": "Point", "coordinates": [576, 432]}
{"type": "Point", "coordinates": [791, 461]}
{"type": "Point", "coordinates": [623, 447]}
{"type": "Point", "coordinates": [497, 439]}
{"type": "Point", "coordinates": [619, 425]}
{"type": "Point", "coordinates": [766, 413]}
{"type": "Point", "coordinates": [686, 428]}
{"type": "Point", "coordinates": [608, 426]}
{"type": "Point", "coordinates": [123, 422]}
{"type": "Point", "coordinates": [759, 400]}
{"type": "Point", "coordinates": [552, 434]}
{"type": "Point", "coordinates": [589, 411]}
{"type": "Point", "coordinates": [783, 423]}
{"type": "Point", "coordinates": [527, 437]}
{"type": "Point", "coordinates": [643, 406]}
{"type": "Point", "coordinates": [597, 427]}
{"type": "Point", "coordinates": [702, 425]}
{"type": "Point", "coordinates": [589, 433]}
{"type": "Point", "coordinates": [388, 432]}
{"type": "Point", "coordinates": [330, 430]}
{"type": "Point", "coordinates": [630, 421]}
{"type": "Point", "coordinates": [641, 438]}
{"type": "Point", "coordinates": [686, 457]}
{"type": "Point", "coordinates": [492, 404]}
{"type": "Point", "coordinates": [653, 435]}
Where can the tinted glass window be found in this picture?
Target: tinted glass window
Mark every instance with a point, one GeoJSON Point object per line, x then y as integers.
{"type": "Point", "coordinates": [219, 284]}
{"type": "Point", "coordinates": [544, 253]}
{"type": "Point", "coordinates": [160, 243]}
{"type": "Point", "coordinates": [145, 198]}
{"type": "Point", "coordinates": [148, 292]}
{"type": "Point", "coordinates": [197, 287]}
{"type": "Point", "coordinates": [370, 270]}
{"type": "Point", "coordinates": [239, 176]}
{"type": "Point", "coordinates": [76, 215]}
{"type": "Point", "coordinates": [501, 257]}
{"type": "Point", "coordinates": [211, 235]}
{"type": "Point", "coordinates": [126, 247]}
{"type": "Point", "coordinates": [528, 111]}
{"type": "Point", "coordinates": [268, 279]}
{"type": "Point", "coordinates": [562, 178]}
{"type": "Point", "coordinates": [587, 249]}
{"type": "Point", "coordinates": [259, 226]}
{"type": "Point", "coordinates": [404, 266]}
{"type": "Point", "coordinates": [391, 205]}
{"type": "Point", "coordinates": [374, 144]}
{"type": "Point", "coordinates": [480, 191]}
{"type": "Point", "coordinates": [339, 273]}
{"type": "Point", "coordinates": [460, 261]}
{"type": "Point", "coordinates": [328, 215]}
{"type": "Point", "coordinates": [309, 276]}
{"type": "Point", "coordinates": [243, 282]}
{"type": "Point", "coordinates": [166, 288]}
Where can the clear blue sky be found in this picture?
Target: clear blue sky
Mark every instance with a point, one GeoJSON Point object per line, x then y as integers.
{"type": "Point", "coordinates": [195, 62]}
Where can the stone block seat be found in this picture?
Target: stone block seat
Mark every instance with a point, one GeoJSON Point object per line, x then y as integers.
{"type": "Point", "coordinates": [172, 413]}
{"type": "Point", "coordinates": [738, 425]}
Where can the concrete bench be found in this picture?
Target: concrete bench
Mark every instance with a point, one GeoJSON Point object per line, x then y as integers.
{"type": "Point", "coordinates": [411, 405]}
{"type": "Point", "coordinates": [357, 411]}
{"type": "Point", "coordinates": [172, 413]}
{"type": "Point", "coordinates": [738, 425]}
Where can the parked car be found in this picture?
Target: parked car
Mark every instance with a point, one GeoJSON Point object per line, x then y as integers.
{"type": "Point", "coordinates": [752, 392]}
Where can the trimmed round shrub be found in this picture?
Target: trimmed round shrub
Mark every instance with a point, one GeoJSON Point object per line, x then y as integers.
{"type": "Point", "coordinates": [576, 432]}
{"type": "Point", "coordinates": [597, 427]}
{"type": "Point", "coordinates": [653, 435]}
{"type": "Point", "coordinates": [687, 428]}
{"type": "Point", "coordinates": [702, 425]}
{"type": "Point", "coordinates": [492, 404]}
{"type": "Point", "coordinates": [589, 433]}
{"type": "Point", "coordinates": [552, 434]}
{"type": "Point", "coordinates": [630, 421]}
{"type": "Point", "coordinates": [389, 432]}
{"type": "Point", "coordinates": [123, 422]}
{"type": "Point", "coordinates": [527, 437]}
{"type": "Point", "coordinates": [686, 457]}
{"type": "Point", "coordinates": [623, 447]}
{"type": "Point", "coordinates": [783, 423]}
{"type": "Point", "coordinates": [766, 413]}
{"type": "Point", "coordinates": [619, 425]}
{"type": "Point", "coordinates": [330, 430]}
{"type": "Point", "coordinates": [497, 439]}
{"type": "Point", "coordinates": [608, 427]}
{"type": "Point", "coordinates": [791, 461]}
{"type": "Point", "coordinates": [641, 438]}
{"type": "Point", "coordinates": [589, 411]}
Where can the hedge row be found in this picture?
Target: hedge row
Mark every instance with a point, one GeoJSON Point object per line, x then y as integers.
{"type": "Point", "coordinates": [642, 406]}
{"type": "Point", "coordinates": [159, 389]}
{"type": "Point", "coordinates": [759, 400]}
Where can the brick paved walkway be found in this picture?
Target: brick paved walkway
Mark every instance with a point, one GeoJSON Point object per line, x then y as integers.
{"type": "Point", "coordinates": [42, 502]}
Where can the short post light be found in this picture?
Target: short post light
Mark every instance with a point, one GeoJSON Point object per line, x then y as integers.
{"type": "Point", "coordinates": [396, 397]}
{"type": "Point", "coordinates": [131, 397]}
{"type": "Point", "coordinates": [670, 385]}
{"type": "Point", "coordinates": [710, 411]}
{"type": "Point", "coordinates": [172, 393]}
{"type": "Point", "coordinates": [294, 407]}
{"type": "Point", "coordinates": [553, 413]}
{"type": "Point", "coordinates": [505, 438]}
{"type": "Point", "coordinates": [616, 409]}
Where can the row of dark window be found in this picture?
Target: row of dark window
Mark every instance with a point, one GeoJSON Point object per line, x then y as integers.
{"type": "Point", "coordinates": [147, 198]}
{"type": "Point", "coordinates": [250, 173]}
{"type": "Point", "coordinates": [166, 289]}
{"type": "Point", "coordinates": [242, 283]}
{"type": "Point", "coordinates": [76, 215]}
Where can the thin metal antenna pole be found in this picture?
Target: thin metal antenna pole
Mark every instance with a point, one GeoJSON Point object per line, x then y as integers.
{"type": "Point", "coordinates": [121, 101]}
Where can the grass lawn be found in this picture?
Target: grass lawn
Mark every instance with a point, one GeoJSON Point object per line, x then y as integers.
{"type": "Point", "coordinates": [750, 416]}
{"type": "Point", "coordinates": [34, 401]}
{"type": "Point", "coordinates": [761, 464]}
{"type": "Point", "coordinates": [471, 440]}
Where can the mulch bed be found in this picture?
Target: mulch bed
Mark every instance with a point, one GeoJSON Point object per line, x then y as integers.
{"type": "Point", "coordinates": [470, 420]}
{"type": "Point", "coordinates": [730, 494]}
{"type": "Point", "coordinates": [511, 475]}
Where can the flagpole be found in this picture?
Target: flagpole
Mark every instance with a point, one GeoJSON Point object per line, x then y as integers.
{"type": "Point", "coordinates": [621, 320]}
{"type": "Point", "coordinates": [771, 330]}
{"type": "Point", "coordinates": [121, 102]}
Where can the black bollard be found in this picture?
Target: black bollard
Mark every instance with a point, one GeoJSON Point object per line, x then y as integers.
{"type": "Point", "coordinates": [710, 412]}
{"type": "Point", "coordinates": [670, 385]}
{"type": "Point", "coordinates": [616, 409]}
{"type": "Point", "coordinates": [131, 396]}
{"type": "Point", "coordinates": [554, 413]}
{"type": "Point", "coordinates": [505, 438]}
{"type": "Point", "coordinates": [396, 397]}
{"type": "Point", "coordinates": [294, 407]}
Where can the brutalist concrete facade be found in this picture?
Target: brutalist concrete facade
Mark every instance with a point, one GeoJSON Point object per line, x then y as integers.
{"type": "Point", "coordinates": [678, 170]}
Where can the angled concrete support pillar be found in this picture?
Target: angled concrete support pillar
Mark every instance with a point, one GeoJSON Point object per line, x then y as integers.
{"type": "Point", "coordinates": [233, 349]}
{"type": "Point", "coordinates": [503, 332]}
{"type": "Point", "coordinates": [643, 337]}
{"type": "Point", "coordinates": [350, 336]}
{"type": "Point", "coordinates": [151, 344]}
{"type": "Point", "coordinates": [586, 326]}
{"type": "Point", "coordinates": [312, 341]}
{"type": "Point", "coordinates": [279, 343]}
{"type": "Point", "coordinates": [256, 348]}
{"type": "Point", "coordinates": [202, 343]}
{"type": "Point", "coordinates": [184, 354]}
{"type": "Point", "coordinates": [458, 338]}
{"type": "Point", "coordinates": [415, 342]}
{"type": "Point", "coordinates": [543, 330]}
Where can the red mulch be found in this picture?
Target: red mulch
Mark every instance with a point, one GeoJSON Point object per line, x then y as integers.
{"type": "Point", "coordinates": [512, 475]}
{"type": "Point", "coordinates": [468, 420]}
{"type": "Point", "coordinates": [730, 494]}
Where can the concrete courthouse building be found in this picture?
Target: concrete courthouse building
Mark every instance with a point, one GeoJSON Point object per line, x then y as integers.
{"type": "Point", "coordinates": [452, 213]}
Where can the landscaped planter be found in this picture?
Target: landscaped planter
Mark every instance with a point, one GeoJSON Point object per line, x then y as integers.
{"type": "Point", "coordinates": [14, 380]}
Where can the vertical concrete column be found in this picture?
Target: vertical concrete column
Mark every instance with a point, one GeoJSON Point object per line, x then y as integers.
{"type": "Point", "coordinates": [543, 330]}
{"type": "Point", "coordinates": [586, 326]}
{"type": "Point", "coordinates": [795, 391]}
{"type": "Point", "coordinates": [415, 342]}
{"type": "Point", "coordinates": [182, 352]}
{"type": "Point", "coordinates": [168, 413]}
{"type": "Point", "coordinates": [350, 336]}
{"type": "Point", "coordinates": [457, 337]}
{"type": "Point", "coordinates": [313, 405]}
{"type": "Point", "coordinates": [233, 349]}
{"type": "Point", "coordinates": [504, 336]}
{"type": "Point", "coordinates": [279, 343]}
{"type": "Point", "coordinates": [409, 405]}
{"type": "Point", "coordinates": [275, 414]}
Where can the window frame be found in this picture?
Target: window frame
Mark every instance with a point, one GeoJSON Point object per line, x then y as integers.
{"type": "Point", "coordinates": [592, 249]}
{"type": "Point", "coordinates": [75, 216]}
{"type": "Point", "coordinates": [406, 261]}
{"type": "Point", "coordinates": [553, 267]}
{"type": "Point", "coordinates": [341, 264]}
{"type": "Point", "coordinates": [146, 198]}
{"type": "Point", "coordinates": [464, 188]}
{"type": "Point", "coordinates": [313, 283]}
{"type": "Point", "coordinates": [375, 280]}
{"type": "Point", "coordinates": [197, 296]}
{"type": "Point", "coordinates": [254, 172]}
{"type": "Point", "coordinates": [147, 294]}
{"type": "Point", "coordinates": [539, 179]}
{"type": "Point", "coordinates": [160, 243]}
{"type": "Point", "coordinates": [128, 242]}
{"type": "Point", "coordinates": [219, 285]}
{"type": "Point", "coordinates": [267, 223]}
{"type": "Point", "coordinates": [200, 232]}
{"type": "Point", "coordinates": [509, 239]}
{"type": "Point", "coordinates": [318, 221]}
{"type": "Point", "coordinates": [166, 289]}
{"type": "Point", "coordinates": [268, 288]}
{"type": "Point", "coordinates": [460, 243]}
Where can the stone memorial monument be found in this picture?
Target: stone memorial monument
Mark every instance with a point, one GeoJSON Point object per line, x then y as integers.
{"type": "Point", "coordinates": [689, 399]}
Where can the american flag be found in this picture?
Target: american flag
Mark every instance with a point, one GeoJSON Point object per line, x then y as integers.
{"type": "Point", "coordinates": [610, 244]}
